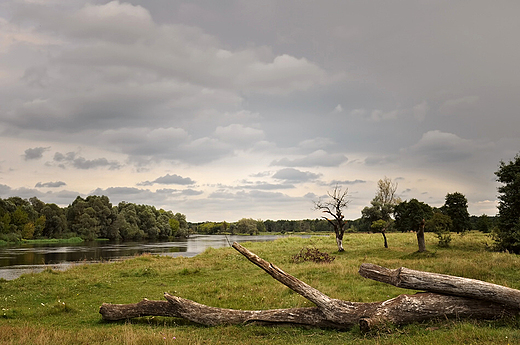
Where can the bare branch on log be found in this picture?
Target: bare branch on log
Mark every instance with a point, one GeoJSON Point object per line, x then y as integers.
{"type": "Point", "coordinates": [445, 284]}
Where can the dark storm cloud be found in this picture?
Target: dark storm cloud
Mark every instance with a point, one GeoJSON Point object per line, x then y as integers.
{"type": "Point", "coordinates": [168, 179]}
{"type": "Point", "coordinates": [35, 153]}
{"type": "Point", "coordinates": [50, 184]}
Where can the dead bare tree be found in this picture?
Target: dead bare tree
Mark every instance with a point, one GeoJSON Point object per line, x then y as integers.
{"type": "Point", "coordinates": [334, 207]}
{"type": "Point", "coordinates": [453, 297]}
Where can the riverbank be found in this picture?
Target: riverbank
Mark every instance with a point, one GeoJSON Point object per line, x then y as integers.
{"type": "Point", "coordinates": [62, 307]}
{"type": "Point", "coordinates": [36, 257]}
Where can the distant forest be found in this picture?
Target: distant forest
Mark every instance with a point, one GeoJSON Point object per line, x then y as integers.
{"type": "Point", "coordinates": [90, 218]}
{"type": "Point", "coordinates": [94, 217]}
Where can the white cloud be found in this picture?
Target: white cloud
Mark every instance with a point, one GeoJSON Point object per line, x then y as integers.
{"type": "Point", "coordinates": [459, 105]}
{"type": "Point", "coordinates": [316, 158]}
{"type": "Point", "coordinates": [239, 135]}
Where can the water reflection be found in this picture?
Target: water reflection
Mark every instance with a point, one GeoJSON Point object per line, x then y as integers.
{"type": "Point", "coordinates": [26, 258]}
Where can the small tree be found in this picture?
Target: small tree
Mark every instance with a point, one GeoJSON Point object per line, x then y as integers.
{"type": "Point", "coordinates": [380, 226]}
{"type": "Point", "coordinates": [382, 207]}
{"type": "Point", "coordinates": [440, 224]}
{"type": "Point", "coordinates": [456, 207]}
{"type": "Point", "coordinates": [507, 233]}
{"type": "Point", "coordinates": [412, 215]}
{"type": "Point", "coordinates": [334, 207]}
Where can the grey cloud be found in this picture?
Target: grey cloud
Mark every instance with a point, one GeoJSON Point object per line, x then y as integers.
{"type": "Point", "coordinates": [295, 175]}
{"type": "Point", "coordinates": [439, 146]}
{"type": "Point", "coordinates": [316, 158]}
{"type": "Point", "coordinates": [35, 153]}
{"type": "Point", "coordinates": [239, 134]}
{"type": "Point", "coordinates": [167, 144]}
{"type": "Point", "coordinates": [83, 163]}
{"type": "Point", "coordinates": [168, 179]}
{"type": "Point", "coordinates": [185, 192]}
{"type": "Point", "coordinates": [50, 184]}
{"type": "Point", "coordinates": [266, 186]}
{"type": "Point", "coordinates": [346, 182]}
{"type": "Point", "coordinates": [191, 192]}
{"type": "Point", "coordinates": [380, 160]}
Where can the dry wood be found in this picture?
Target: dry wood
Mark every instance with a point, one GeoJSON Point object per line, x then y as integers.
{"type": "Point", "coordinates": [329, 313]}
{"type": "Point", "coordinates": [441, 283]}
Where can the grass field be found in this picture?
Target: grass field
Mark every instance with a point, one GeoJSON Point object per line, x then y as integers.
{"type": "Point", "coordinates": [57, 308]}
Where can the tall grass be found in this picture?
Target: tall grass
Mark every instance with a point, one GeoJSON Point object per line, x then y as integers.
{"type": "Point", "coordinates": [55, 307]}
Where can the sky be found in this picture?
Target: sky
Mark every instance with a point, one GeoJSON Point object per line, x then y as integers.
{"type": "Point", "coordinates": [223, 110]}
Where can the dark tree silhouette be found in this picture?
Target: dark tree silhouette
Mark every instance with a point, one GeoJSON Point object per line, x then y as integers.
{"type": "Point", "coordinates": [334, 207]}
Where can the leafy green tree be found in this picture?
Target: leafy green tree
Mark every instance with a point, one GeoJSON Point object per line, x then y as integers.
{"type": "Point", "coordinates": [507, 233]}
{"type": "Point", "coordinates": [483, 224]}
{"type": "Point", "coordinates": [440, 224]}
{"type": "Point", "coordinates": [456, 207]}
{"type": "Point", "coordinates": [247, 226]}
{"type": "Point", "coordinates": [383, 206]}
{"type": "Point", "coordinates": [55, 221]}
{"type": "Point", "coordinates": [411, 216]}
{"type": "Point", "coordinates": [174, 225]}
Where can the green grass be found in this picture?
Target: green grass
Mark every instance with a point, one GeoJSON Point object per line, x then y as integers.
{"type": "Point", "coordinates": [45, 240]}
{"type": "Point", "coordinates": [57, 308]}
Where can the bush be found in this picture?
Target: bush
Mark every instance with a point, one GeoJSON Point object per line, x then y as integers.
{"type": "Point", "coordinates": [312, 254]}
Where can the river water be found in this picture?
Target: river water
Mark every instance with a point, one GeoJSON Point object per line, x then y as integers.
{"type": "Point", "coordinates": [27, 258]}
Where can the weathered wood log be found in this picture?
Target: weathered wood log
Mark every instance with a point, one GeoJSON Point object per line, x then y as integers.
{"type": "Point", "coordinates": [114, 312]}
{"type": "Point", "coordinates": [402, 310]}
{"type": "Point", "coordinates": [441, 283]}
{"type": "Point", "coordinates": [329, 313]}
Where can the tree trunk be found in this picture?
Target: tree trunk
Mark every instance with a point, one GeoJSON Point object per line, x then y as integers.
{"type": "Point", "coordinates": [420, 237]}
{"type": "Point", "coordinates": [339, 242]}
{"type": "Point", "coordinates": [417, 280]}
{"type": "Point", "coordinates": [384, 237]}
{"type": "Point", "coordinates": [330, 312]}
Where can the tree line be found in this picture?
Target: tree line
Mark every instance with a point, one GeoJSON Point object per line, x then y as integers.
{"type": "Point", "coordinates": [90, 218]}
{"type": "Point", "coordinates": [256, 226]}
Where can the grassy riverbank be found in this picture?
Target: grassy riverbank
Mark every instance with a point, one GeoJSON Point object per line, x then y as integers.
{"type": "Point", "coordinates": [62, 307]}
{"type": "Point", "coordinates": [45, 240]}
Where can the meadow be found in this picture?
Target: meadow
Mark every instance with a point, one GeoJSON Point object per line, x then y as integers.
{"type": "Point", "coordinates": [55, 307]}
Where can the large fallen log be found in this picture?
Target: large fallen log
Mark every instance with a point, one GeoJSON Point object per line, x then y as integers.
{"type": "Point", "coordinates": [441, 283]}
{"type": "Point", "coordinates": [328, 313]}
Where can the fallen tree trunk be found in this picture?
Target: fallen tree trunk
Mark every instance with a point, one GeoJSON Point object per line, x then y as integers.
{"type": "Point", "coordinates": [328, 313]}
{"type": "Point", "coordinates": [402, 310]}
{"type": "Point", "coordinates": [441, 283]}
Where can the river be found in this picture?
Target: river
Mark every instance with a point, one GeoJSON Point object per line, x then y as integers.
{"type": "Point", "coordinates": [26, 258]}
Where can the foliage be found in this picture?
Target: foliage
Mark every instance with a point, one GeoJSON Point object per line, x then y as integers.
{"type": "Point", "coordinates": [247, 226]}
{"type": "Point", "coordinates": [440, 224]}
{"type": "Point", "coordinates": [507, 233]}
{"type": "Point", "coordinates": [383, 203]}
{"type": "Point", "coordinates": [89, 218]}
{"type": "Point", "coordinates": [312, 254]}
{"type": "Point", "coordinates": [484, 223]}
{"type": "Point", "coordinates": [410, 214]}
{"type": "Point", "coordinates": [456, 207]}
